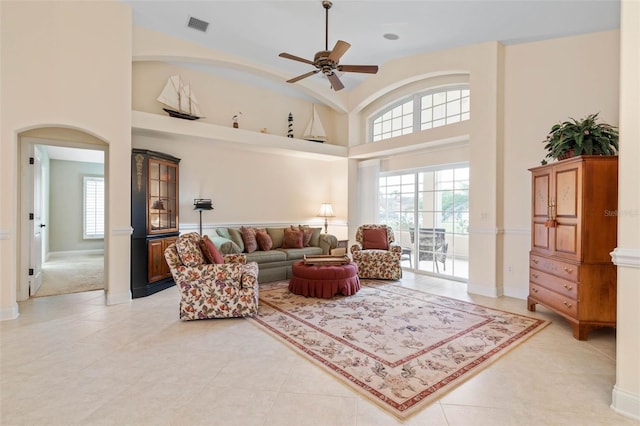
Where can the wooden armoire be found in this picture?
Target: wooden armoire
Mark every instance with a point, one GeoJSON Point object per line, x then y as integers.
{"type": "Point", "coordinates": [574, 228]}
{"type": "Point", "coordinates": [154, 218]}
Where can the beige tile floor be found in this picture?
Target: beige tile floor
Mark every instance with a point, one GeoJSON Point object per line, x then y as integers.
{"type": "Point", "coordinates": [71, 360]}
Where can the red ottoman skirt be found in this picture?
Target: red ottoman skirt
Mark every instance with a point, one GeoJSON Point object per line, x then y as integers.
{"type": "Point", "coordinates": [324, 281]}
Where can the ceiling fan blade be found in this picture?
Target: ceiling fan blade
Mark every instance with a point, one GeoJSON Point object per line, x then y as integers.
{"type": "Point", "coordinates": [300, 77]}
{"type": "Point", "coordinates": [335, 81]}
{"type": "Point", "coordinates": [369, 69]}
{"type": "Point", "coordinates": [338, 50]}
{"type": "Point", "coordinates": [295, 58]}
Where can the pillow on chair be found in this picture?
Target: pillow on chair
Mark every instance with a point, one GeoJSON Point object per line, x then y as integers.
{"type": "Point", "coordinates": [375, 239]}
{"type": "Point", "coordinates": [210, 251]}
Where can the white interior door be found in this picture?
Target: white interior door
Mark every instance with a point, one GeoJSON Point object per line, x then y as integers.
{"type": "Point", "coordinates": [36, 241]}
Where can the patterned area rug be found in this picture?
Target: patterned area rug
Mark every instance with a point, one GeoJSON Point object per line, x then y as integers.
{"type": "Point", "coordinates": [401, 347]}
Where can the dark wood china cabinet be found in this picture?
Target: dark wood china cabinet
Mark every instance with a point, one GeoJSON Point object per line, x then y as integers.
{"type": "Point", "coordinates": [154, 218]}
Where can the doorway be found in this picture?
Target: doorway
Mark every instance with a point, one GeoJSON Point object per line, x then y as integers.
{"type": "Point", "coordinates": [65, 258]}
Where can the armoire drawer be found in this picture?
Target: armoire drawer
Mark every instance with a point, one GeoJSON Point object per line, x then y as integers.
{"type": "Point", "coordinates": [565, 270]}
{"type": "Point", "coordinates": [564, 287]}
{"type": "Point", "coordinates": [553, 300]}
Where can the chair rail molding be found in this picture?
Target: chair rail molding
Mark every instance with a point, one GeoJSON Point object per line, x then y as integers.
{"type": "Point", "coordinates": [486, 231]}
{"type": "Point", "coordinates": [629, 258]}
{"type": "Point", "coordinates": [121, 230]}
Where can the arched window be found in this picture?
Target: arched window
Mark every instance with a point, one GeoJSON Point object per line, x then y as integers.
{"type": "Point", "coordinates": [422, 111]}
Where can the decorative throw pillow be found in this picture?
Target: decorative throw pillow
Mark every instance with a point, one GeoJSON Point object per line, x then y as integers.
{"type": "Point", "coordinates": [375, 239]}
{"type": "Point", "coordinates": [313, 240]}
{"type": "Point", "coordinates": [211, 252]}
{"type": "Point", "coordinates": [236, 237]}
{"type": "Point", "coordinates": [307, 233]}
{"type": "Point", "coordinates": [188, 248]}
{"type": "Point", "coordinates": [249, 239]}
{"type": "Point", "coordinates": [223, 232]}
{"type": "Point", "coordinates": [264, 240]}
{"type": "Point", "coordinates": [225, 246]}
{"type": "Point", "coordinates": [277, 236]}
{"type": "Point", "coordinates": [292, 238]}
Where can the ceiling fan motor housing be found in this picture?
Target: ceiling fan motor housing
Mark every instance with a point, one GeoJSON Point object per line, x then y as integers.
{"type": "Point", "coordinates": [322, 62]}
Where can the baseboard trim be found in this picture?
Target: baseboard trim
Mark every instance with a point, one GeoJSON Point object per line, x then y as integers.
{"type": "Point", "coordinates": [489, 291]}
{"type": "Point", "coordinates": [516, 293]}
{"type": "Point", "coordinates": [9, 313]}
{"type": "Point", "coordinates": [625, 403]}
{"type": "Point", "coordinates": [75, 252]}
{"type": "Point", "coordinates": [118, 298]}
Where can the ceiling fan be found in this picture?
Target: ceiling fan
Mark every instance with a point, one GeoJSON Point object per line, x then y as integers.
{"type": "Point", "coordinates": [327, 60]}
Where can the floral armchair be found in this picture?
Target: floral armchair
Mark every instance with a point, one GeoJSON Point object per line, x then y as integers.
{"type": "Point", "coordinates": [211, 290]}
{"type": "Point", "coordinates": [376, 253]}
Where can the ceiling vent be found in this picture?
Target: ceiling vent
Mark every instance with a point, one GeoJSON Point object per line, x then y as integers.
{"type": "Point", "coordinates": [197, 24]}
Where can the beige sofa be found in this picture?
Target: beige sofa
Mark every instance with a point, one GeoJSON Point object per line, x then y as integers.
{"type": "Point", "coordinates": [274, 261]}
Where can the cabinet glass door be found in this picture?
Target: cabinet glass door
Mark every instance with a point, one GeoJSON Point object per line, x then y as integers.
{"type": "Point", "coordinates": [163, 197]}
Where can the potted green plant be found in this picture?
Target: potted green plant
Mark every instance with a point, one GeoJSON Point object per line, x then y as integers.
{"type": "Point", "coordinates": [581, 137]}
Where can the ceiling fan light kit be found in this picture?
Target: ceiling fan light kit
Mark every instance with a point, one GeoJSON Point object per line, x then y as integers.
{"type": "Point", "coordinates": [327, 60]}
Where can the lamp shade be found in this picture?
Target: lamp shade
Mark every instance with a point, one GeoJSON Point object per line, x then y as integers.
{"type": "Point", "coordinates": [157, 205]}
{"type": "Point", "coordinates": [202, 204]}
{"type": "Point", "coordinates": [326, 210]}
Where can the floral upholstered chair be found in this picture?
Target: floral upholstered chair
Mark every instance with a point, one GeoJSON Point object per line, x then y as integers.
{"type": "Point", "coordinates": [376, 253]}
{"type": "Point", "coordinates": [211, 285]}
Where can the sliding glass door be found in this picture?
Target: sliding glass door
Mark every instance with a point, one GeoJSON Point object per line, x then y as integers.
{"type": "Point", "coordinates": [429, 212]}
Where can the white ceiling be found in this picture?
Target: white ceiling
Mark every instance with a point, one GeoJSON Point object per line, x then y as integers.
{"type": "Point", "coordinates": [73, 154]}
{"type": "Point", "coordinates": [258, 31]}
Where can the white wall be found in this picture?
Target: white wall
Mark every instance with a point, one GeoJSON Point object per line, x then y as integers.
{"type": "Point", "coordinates": [547, 82]}
{"type": "Point", "coordinates": [220, 98]}
{"type": "Point", "coordinates": [69, 67]}
{"type": "Point", "coordinates": [246, 187]}
{"type": "Point", "coordinates": [66, 205]}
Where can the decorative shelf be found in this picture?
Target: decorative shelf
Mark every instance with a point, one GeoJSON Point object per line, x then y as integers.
{"type": "Point", "coordinates": [155, 125]}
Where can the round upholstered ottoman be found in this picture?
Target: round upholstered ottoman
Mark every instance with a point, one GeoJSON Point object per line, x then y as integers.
{"type": "Point", "coordinates": [324, 280]}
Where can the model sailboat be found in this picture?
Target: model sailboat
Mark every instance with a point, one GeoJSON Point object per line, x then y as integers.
{"type": "Point", "coordinates": [180, 101]}
{"type": "Point", "coordinates": [314, 131]}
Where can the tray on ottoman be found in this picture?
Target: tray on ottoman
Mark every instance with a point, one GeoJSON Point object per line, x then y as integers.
{"type": "Point", "coordinates": [326, 259]}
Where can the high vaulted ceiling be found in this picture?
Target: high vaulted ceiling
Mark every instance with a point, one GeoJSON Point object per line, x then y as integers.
{"type": "Point", "coordinates": [258, 31]}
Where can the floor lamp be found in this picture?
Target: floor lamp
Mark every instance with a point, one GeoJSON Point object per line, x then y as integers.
{"type": "Point", "coordinates": [201, 204]}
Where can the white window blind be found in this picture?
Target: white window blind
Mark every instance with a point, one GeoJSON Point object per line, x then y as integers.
{"type": "Point", "coordinates": [93, 207]}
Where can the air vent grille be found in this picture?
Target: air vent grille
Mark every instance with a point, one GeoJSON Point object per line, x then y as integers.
{"type": "Point", "coordinates": [197, 24]}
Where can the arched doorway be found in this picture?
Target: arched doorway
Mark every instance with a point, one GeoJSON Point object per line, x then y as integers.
{"type": "Point", "coordinates": [53, 237]}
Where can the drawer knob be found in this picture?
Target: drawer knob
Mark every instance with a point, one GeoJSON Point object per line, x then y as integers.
{"type": "Point", "coordinates": [534, 275]}
{"type": "Point", "coordinates": [568, 287]}
{"type": "Point", "coordinates": [568, 305]}
{"type": "Point", "coordinates": [535, 261]}
{"type": "Point", "coordinates": [533, 289]}
{"type": "Point", "coordinates": [568, 270]}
